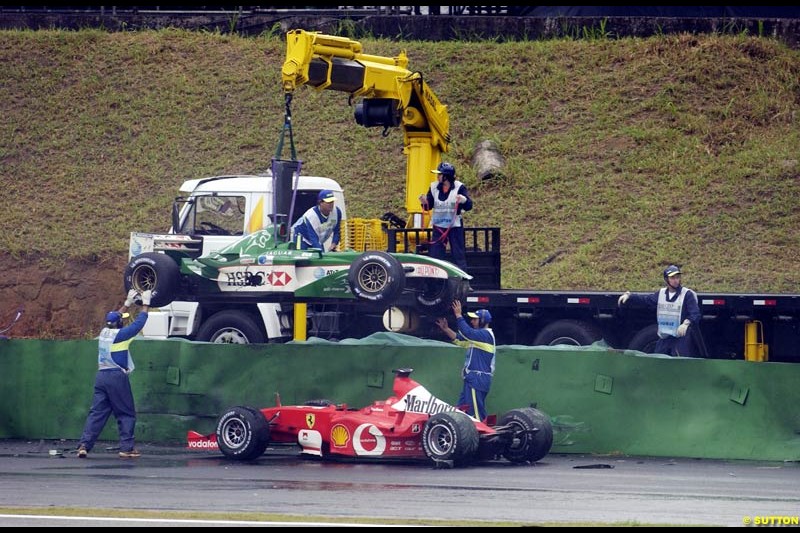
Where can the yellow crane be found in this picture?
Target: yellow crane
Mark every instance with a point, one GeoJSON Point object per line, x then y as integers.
{"type": "Point", "coordinates": [388, 95]}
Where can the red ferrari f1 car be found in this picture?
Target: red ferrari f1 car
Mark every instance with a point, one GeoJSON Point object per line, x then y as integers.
{"type": "Point", "coordinates": [412, 424]}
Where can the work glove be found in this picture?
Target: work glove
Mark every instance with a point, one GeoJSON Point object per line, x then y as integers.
{"type": "Point", "coordinates": [132, 294]}
{"type": "Point", "coordinates": [624, 298]}
{"type": "Point", "coordinates": [683, 328]}
{"type": "Point", "coordinates": [461, 199]}
{"type": "Point", "coordinates": [146, 297]}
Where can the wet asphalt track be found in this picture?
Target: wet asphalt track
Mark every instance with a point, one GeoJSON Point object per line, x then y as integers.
{"type": "Point", "coordinates": [560, 488]}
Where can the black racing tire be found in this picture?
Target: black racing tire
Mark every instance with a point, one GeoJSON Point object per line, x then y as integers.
{"type": "Point", "coordinates": [527, 446]}
{"type": "Point", "coordinates": [376, 277]}
{"type": "Point", "coordinates": [156, 272]}
{"type": "Point", "coordinates": [450, 436]}
{"type": "Point", "coordinates": [645, 339]}
{"type": "Point", "coordinates": [569, 332]}
{"type": "Point", "coordinates": [242, 433]}
{"type": "Point", "coordinates": [437, 295]}
{"type": "Point", "coordinates": [231, 327]}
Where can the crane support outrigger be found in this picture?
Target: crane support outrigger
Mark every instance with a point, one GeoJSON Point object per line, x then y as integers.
{"type": "Point", "coordinates": [391, 96]}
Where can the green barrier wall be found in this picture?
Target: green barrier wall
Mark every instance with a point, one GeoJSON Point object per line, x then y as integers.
{"type": "Point", "coordinates": [601, 401]}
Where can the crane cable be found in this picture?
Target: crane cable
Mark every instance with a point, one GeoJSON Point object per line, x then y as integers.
{"type": "Point", "coordinates": [287, 126]}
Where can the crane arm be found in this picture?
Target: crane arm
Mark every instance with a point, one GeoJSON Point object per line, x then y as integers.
{"type": "Point", "coordinates": [390, 96]}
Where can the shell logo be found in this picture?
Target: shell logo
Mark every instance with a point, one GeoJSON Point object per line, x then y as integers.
{"type": "Point", "coordinates": [371, 443]}
{"type": "Point", "coordinates": [340, 436]}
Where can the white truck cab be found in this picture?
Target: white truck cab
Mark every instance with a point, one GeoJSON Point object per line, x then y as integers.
{"type": "Point", "coordinates": [212, 213]}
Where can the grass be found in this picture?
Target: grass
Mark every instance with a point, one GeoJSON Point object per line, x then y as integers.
{"type": "Point", "coordinates": [621, 155]}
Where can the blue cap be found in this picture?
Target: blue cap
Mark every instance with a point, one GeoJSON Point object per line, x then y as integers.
{"type": "Point", "coordinates": [445, 169]}
{"type": "Point", "coordinates": [483, 315]}
{"type": "Point", "coordinates": [671, 270]}
{"type": "Point", "coordinates": [113, 317]}
{"type": "Point", "coordinates": [325, 196]}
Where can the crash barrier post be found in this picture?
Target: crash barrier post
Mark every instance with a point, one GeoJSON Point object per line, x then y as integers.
{"type": "Point", "coordinates": [300, 321]}
{"type": "Point", "coordinates": [755, 349]}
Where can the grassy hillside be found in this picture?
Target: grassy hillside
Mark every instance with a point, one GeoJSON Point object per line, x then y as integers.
{"type": "Point", "coordinates": [622, 156]}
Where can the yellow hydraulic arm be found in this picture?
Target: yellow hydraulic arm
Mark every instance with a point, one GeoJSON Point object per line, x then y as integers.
{"type": "Point", "coordinates": [390, 96]}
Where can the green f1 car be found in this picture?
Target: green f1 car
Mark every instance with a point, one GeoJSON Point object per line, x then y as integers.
{"type": "Point", "coordinates": [260, 268]}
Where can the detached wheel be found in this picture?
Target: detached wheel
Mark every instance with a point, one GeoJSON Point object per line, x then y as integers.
{"type": "Point", "coordinates": [569, 332]}
{"type": "Point", "coordinates": [533, 435]}
{"type": "Point", "coordinates": [242, 433]}
{"type": "Point", "coordinates": [231, 327]}
{"type": "Point", "coordinates": [450, 436]}
{"type": "Point", "coordinates": [377, 277]}
{"type": "Point", "coordinates": [152, 271]}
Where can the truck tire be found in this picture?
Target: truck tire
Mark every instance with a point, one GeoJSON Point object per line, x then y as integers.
{"type": "Point", "coordinates": [152, 271]}
{"type": "Point", "coordinates": [231, 327]}
{"type": "Point", "coordinates": [377, 277]}
{"type": "Point", "coordinates": [242, 433]}
{"type": "Point", "coordinates": [450, 436]}
{"type": "Point", "coordinates": [645, 339]}
{"type": "Point", "coordinates": [528, 447]}
{"type": "Point", "coordinates": [569, 332]}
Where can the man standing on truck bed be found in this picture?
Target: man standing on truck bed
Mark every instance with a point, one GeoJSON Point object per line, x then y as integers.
{"type": "Point", "coordinates": [676, 311]}
{"type": "Point", "coordinates": [319, 224]}
{"type": "Point", "coordinates": [448, 198]}
{"type": "Point", "coordinates": [478, 338]}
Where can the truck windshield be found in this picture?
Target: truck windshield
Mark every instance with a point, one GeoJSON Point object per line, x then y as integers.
{"type": "Point", "coordinates": [214, 215]}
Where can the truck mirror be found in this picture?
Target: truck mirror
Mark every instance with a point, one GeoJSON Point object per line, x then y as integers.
{"type": "Point", "coordinates": [175, 218]}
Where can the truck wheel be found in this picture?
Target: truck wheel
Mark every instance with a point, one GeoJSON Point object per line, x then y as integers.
{"type": "Point", "coordinates": [528, 447]}
{"type": "Point", "coordinates": [570, 332]}
{"type": "Point", "coordinates": [645, 339]}
{"type": "Point", "coordinates": [152, 271]}
{"type": "Point", "coordinates": [438, 294]}
{"type": "Point", "coordinates": [242, 433]}
{"type": "Point", "coordinates": [231, 327]}
{"type": "Point", "coordinates": [450, 436]}
{"type": "Point", "coordinates": [377, 277]}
